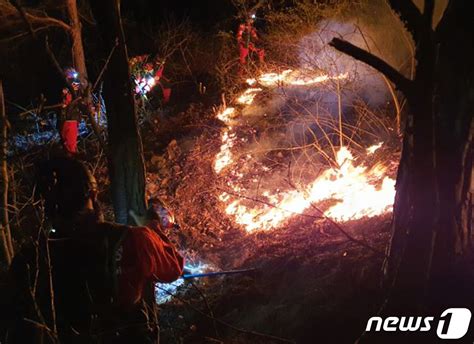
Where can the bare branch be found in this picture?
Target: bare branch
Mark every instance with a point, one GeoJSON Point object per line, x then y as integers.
{"type": "Point", "coordinates": [48, 21]}
{"type": "Point", "coordinates": [96, 83]}
{"type": "Point", "coordinates": [400, 81]}
{"type": "Point", "coordinates": [31, 19]}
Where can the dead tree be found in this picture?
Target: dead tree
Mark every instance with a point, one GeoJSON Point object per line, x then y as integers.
{"type": "Point", "coordinates": [431, 224]}
{"type": "Point", "coordinates": [5, 225]}
{"type": "Point", "coordinates": [126, 163]}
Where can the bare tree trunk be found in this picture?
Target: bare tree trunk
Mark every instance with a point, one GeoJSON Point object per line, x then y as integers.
{"type": "Point", "coordinates": [127, 170]}
{"type": "Point", "coordinates": [78, 56]}
{"type": "Point", "coordinates": [5, 226]}
{"type": "Point", "coordinates": [79, 61]}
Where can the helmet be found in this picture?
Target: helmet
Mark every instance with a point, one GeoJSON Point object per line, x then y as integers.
{"type": "Point", "coordinates": [163, 214]}
{"type": "Point", "coordinates": [72, 77]}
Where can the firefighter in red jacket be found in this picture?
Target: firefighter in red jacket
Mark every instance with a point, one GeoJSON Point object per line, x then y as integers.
{"type": "Point", "coordinates": [71, 111]}
{"type": "Point", "coordinates": [246, 38]}
{"type": "Point", "coordinates": [100, 275]}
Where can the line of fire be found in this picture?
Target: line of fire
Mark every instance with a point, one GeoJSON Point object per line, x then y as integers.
{"type": "Point", "coordinates": [236, 171]}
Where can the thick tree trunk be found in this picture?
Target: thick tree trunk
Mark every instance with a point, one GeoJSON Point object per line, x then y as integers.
{"type": "Point", "coordinates": [431, 224]}
{"type": "Point", "coordinates": [454, 110]}
{"type": "Point", "coordinates": [433, 205]}
{"type": "Point", "coordinates": [126, 163]}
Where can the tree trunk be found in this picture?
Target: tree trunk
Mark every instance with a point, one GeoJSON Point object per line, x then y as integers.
{"type": "Point", "coordinates": [79, 62]}
{"type": "Point", "coordinates": [433, 204]}
{"type": "Point", "coordinates": [78, 56]}
{"type": "Point", "coordinates": [431, 225]}
{"type": "Point", "coordinates": [5, 226]}
{"type": "Point", "coordinates": [126, 163]}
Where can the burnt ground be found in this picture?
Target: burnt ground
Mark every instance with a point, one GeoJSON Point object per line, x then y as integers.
{"type": "Point", "coordinates": [310, 283]}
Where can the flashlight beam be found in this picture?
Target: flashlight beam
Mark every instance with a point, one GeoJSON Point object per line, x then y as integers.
{"type": "Point", "coordinates": [216, 273]}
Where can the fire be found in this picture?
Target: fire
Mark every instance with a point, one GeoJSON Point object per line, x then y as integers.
{"type": "Point", "coordinates": [316, 80]}
{"type": "Point", "coordinates": [353, 187]}
{"type": "Point", "coordinates": [224, 157]}
{"type": "Point", "coordinates": [291, 77]}
{"type": "Point", "coordinates": [226, 114]}
{"type": "Point", "coordinates": [273, 79]}
{"type": "Point", "coordinates": [355, 190]}
{"type": "Point", "coordinates": [248, 96]}
{"type": "Point", "coordinates": [374, 148]}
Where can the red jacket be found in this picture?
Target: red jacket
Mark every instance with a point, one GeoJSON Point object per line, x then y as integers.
{"type": "Point", "coordinates": [146, 256]}
{"type": "Point", "coordinates": [246, 34]}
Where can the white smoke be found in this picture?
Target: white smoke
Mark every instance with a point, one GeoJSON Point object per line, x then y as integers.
{"type": "Point", "coordinates": [316, 54]}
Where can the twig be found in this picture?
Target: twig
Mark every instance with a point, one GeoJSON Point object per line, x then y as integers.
{"type": "Point", "coordinates": [5, 232]}
{"type": "Point", "coordinates": [56, 63]}
{"type": "Point", "coordinates": [50, 281]}
{"type": "Point", "coordinates": [99, 77]}
{"type": "Point", "coordinates": [222, 322]}
{"type": "Point", "coordinates": [211, 313]}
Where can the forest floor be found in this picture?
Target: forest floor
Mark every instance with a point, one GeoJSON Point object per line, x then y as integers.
{"type": "Point", "coordinates": [310, 283]}
{"type": "Point", "coordinates": [310, 280]}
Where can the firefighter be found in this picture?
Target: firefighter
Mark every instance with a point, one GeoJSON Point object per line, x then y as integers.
{"type": "Point", "coordinates": [246, 38]}
{"type": "Point", "coordinates": [146, 75]}
{"type": "Point", "coordinates": [162, 81]}
{"type": "Point", "coordinates": [101, 274]}
{"type": "Point", "coordinates": [71, 111]}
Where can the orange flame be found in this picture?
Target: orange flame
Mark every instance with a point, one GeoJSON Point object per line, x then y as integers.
{"type": "Point", "coordinates": [356, 190]}
{"type": "Point", "coordinates": [351, 186]}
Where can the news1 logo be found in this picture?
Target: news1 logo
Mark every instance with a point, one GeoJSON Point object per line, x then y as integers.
{"type": "Point", "coordinates": [452, 324]}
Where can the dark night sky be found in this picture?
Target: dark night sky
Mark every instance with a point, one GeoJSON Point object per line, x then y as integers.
{"type": "Point", "coordinates": [204, 13]}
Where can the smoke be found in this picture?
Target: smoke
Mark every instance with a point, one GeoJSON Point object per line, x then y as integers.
{"type": "Point", "coordinates": [290, 131]}
{"type": "Point", "coordinates": [363, 81]}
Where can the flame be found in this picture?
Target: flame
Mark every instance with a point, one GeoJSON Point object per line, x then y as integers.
{"type": "Point", "coordinates": [351, 186]}
{"type": "Point", "coordinates": [374, 148]}
{"type": "Point", "coordinates": [226, 114]}
{"type": "Point", "coordinates": [273, 79]}
{"type": "Point", "coordinates": [316, 80]}
{"type": "Point", "coordinates": [224, 157]}
{"type": "Point", "coordinates": [296, 78]}
{"type": "Point", "coordinates": [356, 190]}
{"type": "Point", "coordinates": [248, 96]}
